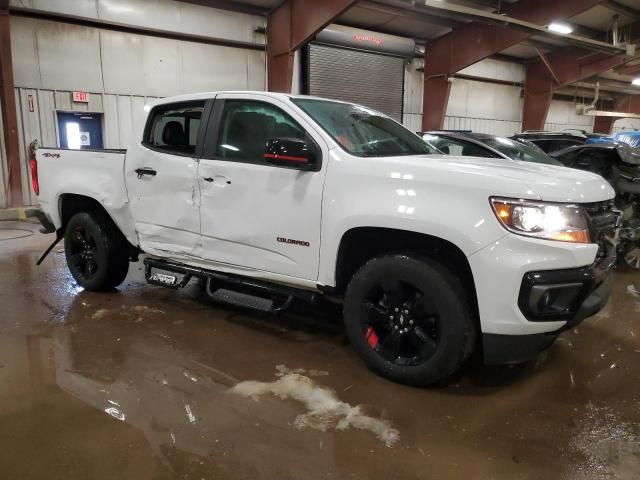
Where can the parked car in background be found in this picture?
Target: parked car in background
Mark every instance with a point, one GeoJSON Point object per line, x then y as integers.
{"type": "Point", "coordinates": [472, 144]}
{"type": "Point", "coordinates": [630, 137]}
{"type": "Point", "coordinates": [552, 141]}
{"type": "Point", "coordinates": [619, 164]}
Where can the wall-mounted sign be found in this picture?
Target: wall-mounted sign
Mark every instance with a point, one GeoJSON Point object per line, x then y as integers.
{"type": "Point", "coordinates": [30, 101]}
{"type": "Point", "coordinates": [81, 97]}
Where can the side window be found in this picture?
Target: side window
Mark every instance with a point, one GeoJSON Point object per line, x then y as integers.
{"type": "Point", "coordinates": [246, 125]}
{"type": "Point", "coordinates": [174, 128]}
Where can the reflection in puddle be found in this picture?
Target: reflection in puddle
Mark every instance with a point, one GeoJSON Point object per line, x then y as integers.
{"type": "Point", "coordinates": [325, 410]}
{"type": "Point", "coordinates": [610, 446]}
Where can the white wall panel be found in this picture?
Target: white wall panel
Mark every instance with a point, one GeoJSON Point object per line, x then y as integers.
{"type": "Point", "coordinates": [69, 56]}
{"type": "Point", "coordinates": [162, 66]}
{"type": "Point", "coordinates": [125, 122]}
{"type": "Point", "coordinates": [48, 120]}
{"type": "Point", "coordinates": [256, 71]}
{"type": "Point", "coordinates": [482, 125]}
{"type": "Point", "coordinates": [562, 115]}
{"type": "Point", "coordinates": [626, 124]}
{"type": "Point", "coordinates": [211, 67]}
{"type": "Point", "coordinates": [26, 68]}
{"type": "Point", "coordinates": [168, 15]}
{"type": "Point", "coordinates": [412, 101]}
{"type": "Point", "coordinates": [497, 70]}
{"type": "Point", "coordinates": [122, 62]}
{"type": "Point", "coordinates": [80, 8]}
{"type": "Point", "coordinates": [111, 131]}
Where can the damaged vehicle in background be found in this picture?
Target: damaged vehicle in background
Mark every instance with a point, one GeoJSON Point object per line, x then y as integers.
{"type": "Point", "coordinates": [619, 164]}
{"type": "Point", "coordinates": [271, 198]}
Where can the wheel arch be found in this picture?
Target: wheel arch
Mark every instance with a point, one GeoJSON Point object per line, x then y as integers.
{"type": "Point", "coordinates": [71, 203]}
{"type": "Point", "coordinates": [360, 244]}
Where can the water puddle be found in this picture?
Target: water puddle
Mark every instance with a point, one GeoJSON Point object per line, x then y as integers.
{"type": "Point", "coordinates": [324, 410]}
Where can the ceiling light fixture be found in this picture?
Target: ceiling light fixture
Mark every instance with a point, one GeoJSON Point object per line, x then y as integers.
{"type": "Point", "coordinates": [560, 27]}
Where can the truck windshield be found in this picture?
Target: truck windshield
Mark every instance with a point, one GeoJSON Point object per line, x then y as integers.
{"type": "Point", "coordinates": [519, 151]}
{"type": "Point", "coordinates": [363, 132]}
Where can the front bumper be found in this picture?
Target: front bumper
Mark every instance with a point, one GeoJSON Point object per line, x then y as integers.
{"type": "Point", "coordinates": [505, 349]}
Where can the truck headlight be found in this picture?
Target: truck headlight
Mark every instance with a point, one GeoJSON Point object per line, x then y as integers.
{"type": "Point", "coordinates": [552, 221]}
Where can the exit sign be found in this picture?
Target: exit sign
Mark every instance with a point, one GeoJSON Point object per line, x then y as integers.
{"type": "Point", "coordinates": [82, 97]}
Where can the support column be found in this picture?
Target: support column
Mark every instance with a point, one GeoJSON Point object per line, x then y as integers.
{"type": "Point", "coordinates": [435, 101]}
{"type": "Point", "coordinates": [9, 114]}
{"type": "Point", "coordinates": [289, 26]}
{"type": "Point", "coordinates": [476, 41]}
{"type": "Point", "coordinates": [556, 70]}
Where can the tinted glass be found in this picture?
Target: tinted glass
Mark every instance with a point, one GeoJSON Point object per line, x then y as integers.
{"type": "Point", "coordinates": [451, 146]}
{"type": "Point", "coordinates": [519, 151]}
{"type": "Point", "coordinates": [363, 132]}
{"type": "Point", "coordinates": [174, 128]}
{"type": "Point", "coordinates": [246, 126]}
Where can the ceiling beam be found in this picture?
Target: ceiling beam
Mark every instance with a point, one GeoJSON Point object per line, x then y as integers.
{"type": "Point", "coordinates": [289, 26]}
{"type": "Point", "coordinates": [478, 40]}
{"type": "Point", "coordinates": [567, 66]}
{"type": "Point", "coordinates": [621, 9]}
{"type": "Point", "coordinates": [227, 5]}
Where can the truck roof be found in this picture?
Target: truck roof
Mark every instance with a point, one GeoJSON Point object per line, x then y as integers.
{"type": "Point", "coordinates": [206, 95]}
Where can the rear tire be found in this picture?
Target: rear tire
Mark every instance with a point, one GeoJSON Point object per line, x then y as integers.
{"type": "Point", "coordinates": [96, 251]}
{"type": "Point", "coordinates": [409, 319]}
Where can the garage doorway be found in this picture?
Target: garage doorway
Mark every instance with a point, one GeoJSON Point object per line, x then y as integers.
{"type": "Point", "coordinates": [371, 79]}
{"type": "Point", "coordinates": [80, 130]}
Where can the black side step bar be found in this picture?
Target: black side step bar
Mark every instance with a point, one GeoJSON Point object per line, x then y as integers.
{"type": "Point", "coordinates": [223, 287]}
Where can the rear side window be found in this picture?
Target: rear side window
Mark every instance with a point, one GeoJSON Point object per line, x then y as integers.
{"type": "Point", "coordinates": [174, 128]}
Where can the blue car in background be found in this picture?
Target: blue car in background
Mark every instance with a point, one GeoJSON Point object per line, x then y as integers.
{"type": "Point", "coordinates": [630, 137]}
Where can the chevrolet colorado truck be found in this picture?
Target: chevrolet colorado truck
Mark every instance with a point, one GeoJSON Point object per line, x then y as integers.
{"type": "Point", "coordinates": [271, 198]}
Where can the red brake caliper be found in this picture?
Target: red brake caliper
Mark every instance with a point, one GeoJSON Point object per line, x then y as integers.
{"type": "Point", "coordinates": [372, 337]}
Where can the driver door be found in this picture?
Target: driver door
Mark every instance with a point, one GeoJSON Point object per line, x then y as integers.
{"type": "Point", "coordinates": [255, 215]}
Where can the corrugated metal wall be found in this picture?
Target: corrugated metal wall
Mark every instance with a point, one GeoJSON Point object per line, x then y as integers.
{"type": "Point", "coordinates": [121, 72]}
{"type": "Point", "coordinates": [361, 77]}
{"type": "Point", "coordinates": [482, 125]}
{"type": "Point", "coordinates": [120, 114]}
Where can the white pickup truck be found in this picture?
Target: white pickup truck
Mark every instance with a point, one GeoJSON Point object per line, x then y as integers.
{"type": "Point", "coordinates": [271, 198]}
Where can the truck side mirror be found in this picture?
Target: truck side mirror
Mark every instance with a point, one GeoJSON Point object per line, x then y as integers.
{"type": "Point", "coordinates": [290, 153]}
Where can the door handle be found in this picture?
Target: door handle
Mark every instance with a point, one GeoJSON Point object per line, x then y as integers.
{"type": "Point", "coordinates": [145, 171]}
{"type": "Point", "coordinates": [218, 180]}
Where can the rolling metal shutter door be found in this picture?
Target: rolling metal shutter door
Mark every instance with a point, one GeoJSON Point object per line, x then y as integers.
{"type": "Point", "coordinates": [356, 76]}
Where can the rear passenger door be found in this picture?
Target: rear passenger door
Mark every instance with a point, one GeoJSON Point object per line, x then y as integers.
{"type": "Point", "coordinates": [161, 179]}
{"type": "Point", "coordinates": [255, 215]}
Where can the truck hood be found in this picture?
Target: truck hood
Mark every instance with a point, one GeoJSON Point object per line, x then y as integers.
{"type": "Point", "coordinates": [538, 181]}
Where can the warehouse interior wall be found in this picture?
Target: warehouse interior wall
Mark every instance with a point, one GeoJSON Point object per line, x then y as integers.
{"type": "Point", "coordinates": [482, 106]}
{"type": "Point", "coordinates": [122, 72]}
{"type": "Point", "coordinates": [626, 124]}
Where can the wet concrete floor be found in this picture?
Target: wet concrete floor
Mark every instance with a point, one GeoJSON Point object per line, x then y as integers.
{"type": "Point", "coordinates": [135, 384]}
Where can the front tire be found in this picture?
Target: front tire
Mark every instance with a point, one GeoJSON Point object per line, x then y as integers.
{"type": "Point", "coordinates": [96, 251]}
{"type": "Point", "coordinates": [409, 319]}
